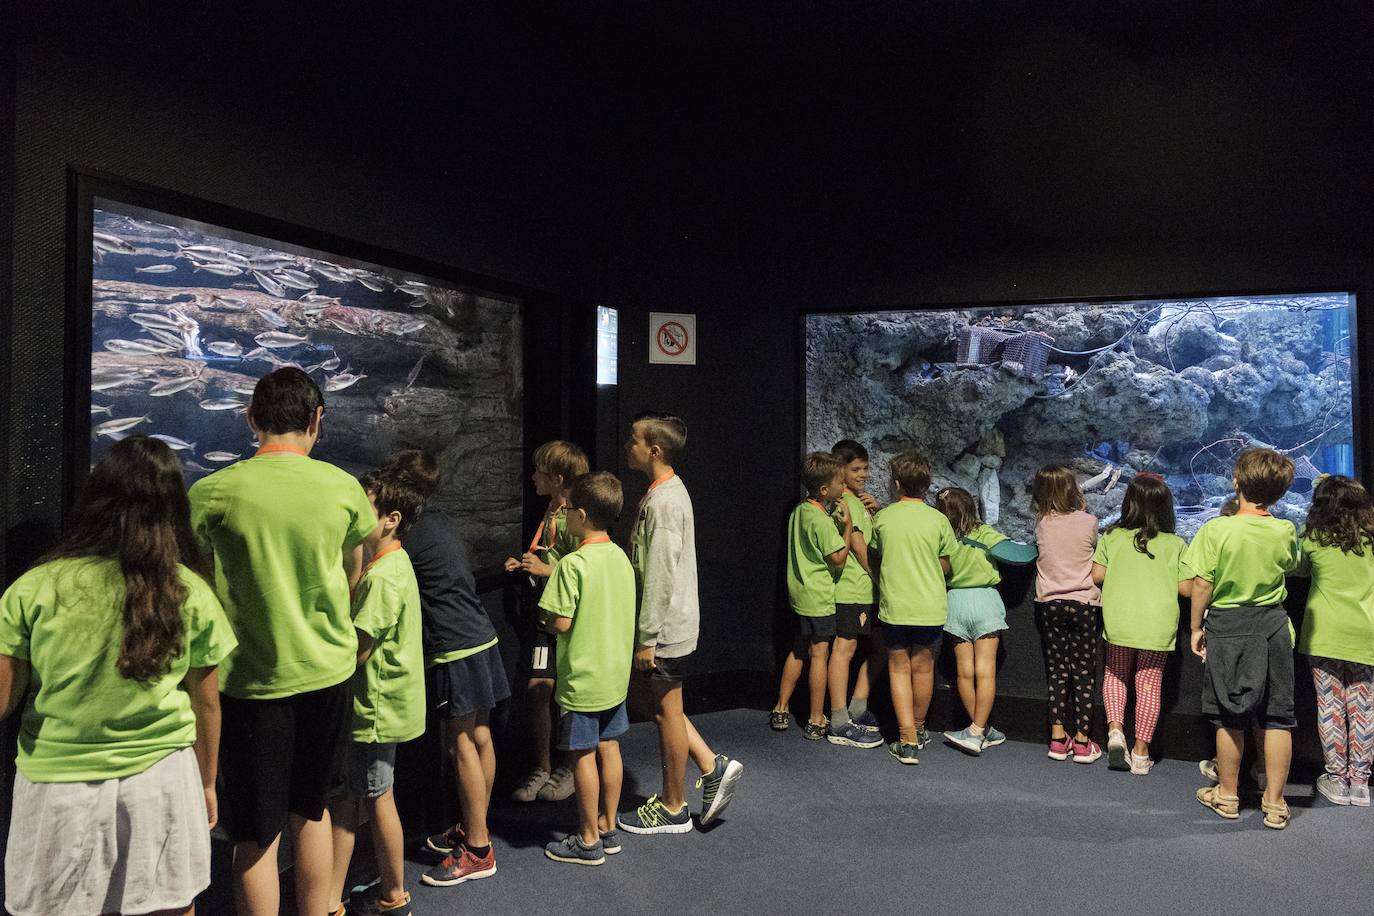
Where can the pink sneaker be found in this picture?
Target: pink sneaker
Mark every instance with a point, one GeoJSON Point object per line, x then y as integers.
{"type": "Point", "coordinates": [1060, 748]}
{"type": "Point", "coordinates": [1086, 753]}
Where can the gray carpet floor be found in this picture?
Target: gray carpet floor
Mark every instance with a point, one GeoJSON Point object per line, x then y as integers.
{"type": "Point", "coordinates": [817, 828]}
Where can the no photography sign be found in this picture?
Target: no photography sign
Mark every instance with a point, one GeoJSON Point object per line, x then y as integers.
{"type": "Point", "coordinates": [672, 338]}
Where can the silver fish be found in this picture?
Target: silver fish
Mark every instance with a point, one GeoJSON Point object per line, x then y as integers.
{"type": "Point", "coordinates": [172, 386]}
{"type": "Point", "coordinates": [267, 283]}
{"type": "Point", "coordinates": [279, 339]}
{"type": "Point", "coordinates": [330, 364]}
{"type": "Point", "coordinates": [242, 389]}
{"type": "Point", "coordinates": [221, 457]}
{"type": "Point", "coordinates": [410, 327]}
{"type": "Point", "coordinates": [204, 252]}
{"type": "Point", "coordinates": [271, 261]}
{"type": "Point", "coordinates": [156, 269]}
{"type": "Point", "coordinates": [413, 287]}
{"type": "Point", "coordinates": [371, 281]}
{"type": "Point", "coordinates": [172, 442]}
{"type": "Point", "coordinates": [113, 380]}
{"type": "Point", "coordinates": [235, 258]}
{"type": "Point", "coordinates": [312, 298]}
{"type": "Point", "coordinates": [314, 310]}
{"type": "Point", "coordinates": [222, 404]}
{"type": "Point", "coordinates": [103, 241]}
{"type": "Point", "coordinates": [152, 320]}
{"type": "Point", "coordinates": [175, 341]}
{"type": "Point", "coordinates": [110, 427]}
{"type": "Point", "coordinates": [295, 279]}
{"type": "Point", "coordinates": [414, 374]}
{"type": "Point", "coordinates": [195, 467]}
{"type": "Point", "coordinates": [419, 302]}
{"type": "Point", "coordinates": [142, 347]}
{"type": "Point", "coordinates": [347, 329]}
{"type": "Point", "coordinates": [341, 381]}
{"type": "Point", "coordinates": [229, 303]}
{"type": "Point", "coordinates": [331, 271]}
{"type": "Point", "coordinates": [226, 348]}
{"type": "Point", "coordinates": [183, 321]}
{"type": "Point", "coordinates": [217, 268]}
{"type": "Point", "coordinates": [272, 318]}
{"type": "Point", "coordinates": [98, 409]}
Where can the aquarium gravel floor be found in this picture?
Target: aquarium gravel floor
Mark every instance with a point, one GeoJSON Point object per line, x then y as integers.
{"type": "Point", "coordinates": [823, 829]}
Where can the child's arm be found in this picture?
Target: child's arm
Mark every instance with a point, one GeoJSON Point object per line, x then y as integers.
{"type": "Point", "coordinates": [858, 549]}
{"type": "Point", "coordinates": [531, 564]}
{"type": "Point", "coordinates": [1099, 574]}
{"type": "Point", "coordinates": [1202, 596]}
{"type": "Point", "coordinates": [945, 565]}
{"type": "Point", "coordinates": [1185, 589]}
{"type": "Point", "coordinates": [14, 683]}
{"type": "Point", "coordinates": [559, 624]}
{"type": "Point", "coordinates": [202, 686]}
{"type": "Point", "coordinates": [365, 646]}
{"type": "Point", "coordinates": [841, 556]}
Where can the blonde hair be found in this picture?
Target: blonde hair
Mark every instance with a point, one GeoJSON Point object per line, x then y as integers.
{"type": "Point", "coordinates": [1263, 475]}
{"type": "Point", "coordinates": [1055, 489]}
{"type": "Point", "coordinates": [562, 459]}
{"type": "Point", "coordinates": [819, 469]}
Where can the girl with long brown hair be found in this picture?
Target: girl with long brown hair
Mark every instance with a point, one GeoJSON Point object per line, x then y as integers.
{"type": "Point", "coordinates": [110, 646]}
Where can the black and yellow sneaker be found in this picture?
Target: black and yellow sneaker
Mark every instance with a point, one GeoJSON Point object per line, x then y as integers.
{"type": "Point", "coordinates": [718, 787]}
{"type": "Point", "coordinates": [654, 817]}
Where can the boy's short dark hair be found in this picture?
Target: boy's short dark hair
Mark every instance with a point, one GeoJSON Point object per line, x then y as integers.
{"type": "Point", "coordinates": [848, 451]}
{"type": "Point", "coordinates": [911, 470]}
{"type": "Point", "coordinates": [394, 491]}
{"type": "Point", "coordinates": [1263, 475]}
{"type": "Point", "coordinates": [417, 464]}
{"type": "Point", "coordinates": [600, 495]}
{"type": "Point", "coordinates": [285, 401]}
{"type": "Point", "coordinates": [666, 431]}
{"type": "Point", "coordinates": [819, 469]}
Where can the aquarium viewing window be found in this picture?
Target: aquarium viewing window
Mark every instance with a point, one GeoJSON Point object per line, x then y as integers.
{"type": "Point", "coordinates": [607, 340]}
{"type": "Point", "coordinates": [1176, 386]}
{"type": "Point", "coordinates": [186, 316]}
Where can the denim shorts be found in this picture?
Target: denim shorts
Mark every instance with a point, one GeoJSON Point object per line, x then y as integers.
{"type": "Point", "coordinates": [903, 636]}
{"type": "Point", "coordinates": [371, 769]}
{"type": "Point", "coordinates": [583, 731]}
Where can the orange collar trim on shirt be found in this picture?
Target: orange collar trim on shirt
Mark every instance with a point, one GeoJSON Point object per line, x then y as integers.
{"type": "Point", "coordinates": [816, 503]}
{"type": "Point", "coordinates": [279, 449]}
{"type": "Point", "coordinates": [912, 499]}
{"type": "Point", "coordinates": [666, 477]}
{"type": "Point", "coordinates": [389, 548]}
{"type": "Point", "coordinates": [1249, 511]}
{"type": "Point", "coordinates": [595, 539]}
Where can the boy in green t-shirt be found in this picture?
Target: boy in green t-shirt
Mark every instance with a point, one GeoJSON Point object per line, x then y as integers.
{"type": "Point", "coordinates": [388, 696]}
{"type": "Point", "coordinates": [591, 603]}
{"type": "Point", "coordinates": [286, 534]}
{"type": "Point", "coordinates": [1240, 563]}
{"type": "Point", "coordinates": [913, 543]}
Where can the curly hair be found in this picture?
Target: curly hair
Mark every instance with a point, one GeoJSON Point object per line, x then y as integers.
{"type": "Point", "coordinates": [1341, 515]}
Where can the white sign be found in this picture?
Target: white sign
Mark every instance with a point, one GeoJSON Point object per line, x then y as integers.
{"type": "Point", "coordinates": [672, 338]}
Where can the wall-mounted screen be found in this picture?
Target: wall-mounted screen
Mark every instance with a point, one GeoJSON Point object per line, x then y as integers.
{"type": "Point", "coordinates": [1174, 386]}
{"type": "Point", "coordinates": [186, 316]}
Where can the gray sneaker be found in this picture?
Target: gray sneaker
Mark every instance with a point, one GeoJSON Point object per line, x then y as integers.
{"type": "Point", "coordinates": [718, 787]}
{"type": "Point", "coordinates": [922, 738]}
{"type": "Point", "coordinates": [904, 753]}
{"type": "Point", "coordinates": [992, 737]}
{"type": "Point", "coordinates": [1359, 794]}
{"type": "Point", "coordinates": [850, 734]}
{"type": "Point", "coordinates": [1334, 789]}
{"type": "Point", "coordinates": [966, 741]}
{"type": "Point", "coordinates": [559, 786]}
{"type": "Point", "coordinates": [529, 789]}
{"type": "Point", "coordinates": [572, 849]}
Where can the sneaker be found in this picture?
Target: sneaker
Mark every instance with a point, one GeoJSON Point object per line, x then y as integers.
{"type": "Point", "coordinates": [444, 843]}
{"type": "Point", "coordinates": [1141, 764]}
{"type": "Point", "coordinates": [610, 842]}
{"type": "Point", "coordinates": [1117, 753]}
{"type": "Point", "coordinates": [1086, 752]}
{"type": "Point", "coordinates": [718, 787]}
{"type": "Point", "coordinates": [922, 738]}
{"type": "Point", "coordinates": [992, 737]}
{"type": "Point", "coordinates": [966, 741]}
{"type": "Point", "coordinates": [529, 789]}
{"type": "Point", "coordinates": [850, 735]}
{"type": "Point", "coordinates": [779, 720]}
{"type": "Point", "coordinates": [905, 753]}
{"type": "Point", "coordinates": [654, 817]}
{"type": "Point", "coordinates": [1359, 794]}
{"type": "Point", "coordinates": [1061, 748]}
{"type": "Point", "coordinates": [559, 786]}
{"type": "Point", "coordinates": [370, 903]}
{"type": "Point", "coordinates": [866, 720]}
{"type": "Point", "coordinates": [813, 732]}
{"type": "Point", "coordinates": [1208, 769]}
{"type": "Point", "coordinates": [460, 867]}
{"type": "Point", "coordinates": [1333, 789]}
{"type": "Point", "coordinates": [572, 849]}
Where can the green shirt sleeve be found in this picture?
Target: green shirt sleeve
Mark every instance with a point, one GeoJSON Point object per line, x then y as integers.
{"type": "Point", "coordinates": [210, 638]}
{"type": "Point", "coordinates": [362, 517]}
{"type": "Point", "coordinates": [563, 591]}
{"type": "Point", "coordinates": [202, 496]}
{"type": "Point", "coordinates": [1304, 565]}
{"type": "Point", "coordinates": [15, 626]}
{"type": "Point", "coordinates": [376, 606]}
{"type": "Point", "coordinates": [947, 539]}
{"type": "Point", "coordinates": [823, 532]}
{"type": "Point", "coordinates": [1201, 555]}
{"type": "Point", "coordinates": [1100, 552]}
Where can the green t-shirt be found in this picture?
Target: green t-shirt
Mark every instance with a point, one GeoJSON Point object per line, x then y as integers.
{"type": "Point", "coordinates": [972, 567]}
{"type": "Point", "coordinates": [595, 586]}
{"type": "Point", "coordinates": [1245, 557]}
{"type": "Point", "coordinates": [277, 525]}
{"type": "Point", "coordinates": [855, 586]}
{"type": "Point", "coordinates": [910, 537]}
{"type": "Point", "coordinates": [389, 688]}
{"type": "Point", "coordinates": [83, 721]}
{"type": "Point", "coordinates": [1140, 595]}
{"type": "Point", "coordinates": [1340, 605]}
{"type": "Point", "coordinates": [811, 537]}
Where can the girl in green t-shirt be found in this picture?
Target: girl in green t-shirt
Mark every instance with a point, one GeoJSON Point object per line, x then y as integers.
{"type": "Point", "coordinates": [1338, 633]}
{"type": "Point", "coordinates": [1139, 565]}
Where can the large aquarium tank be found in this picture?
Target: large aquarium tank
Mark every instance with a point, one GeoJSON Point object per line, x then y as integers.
{"type": "Point", "coordinates": [1178, 387]}
{"type": "Point", "coordinates": [187, 316]}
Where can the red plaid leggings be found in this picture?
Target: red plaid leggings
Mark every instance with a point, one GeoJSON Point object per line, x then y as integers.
{"type": "Point", "coordinates": [1149, 678]}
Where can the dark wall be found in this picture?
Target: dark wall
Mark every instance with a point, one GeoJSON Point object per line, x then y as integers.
{"type": "Point", "coordinates": [717, 159]}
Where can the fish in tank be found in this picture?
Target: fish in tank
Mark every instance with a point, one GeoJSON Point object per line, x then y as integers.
{"type": "Point", "coordinates": [187, 316]}
{"type": "Point", "coordinates": [1178, 387]}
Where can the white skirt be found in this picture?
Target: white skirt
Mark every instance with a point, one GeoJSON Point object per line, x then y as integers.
{"type": "Point", "coordinates": [132, 845]}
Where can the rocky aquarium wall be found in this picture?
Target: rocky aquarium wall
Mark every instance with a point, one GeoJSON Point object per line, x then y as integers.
{"type": "Point", "coordinates": [187, 317]}
{"type": "Point", "coordinates": [1178, 387]}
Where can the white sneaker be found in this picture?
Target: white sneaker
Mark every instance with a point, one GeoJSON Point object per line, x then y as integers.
{"type": "Point", "coordinates": [1359, 794]}
{"type": "Point", "coordinates": [1118, 757]}
{"type": "Point", "coordinates": [559, 786]}
{"type": "Point", "coordinates": [1141, 764]}
{"type": "Point", "coordinates": [1333, 789]}
{"type": "Point", "coordinates": [529, 789]}
{"type": "Point", "coordinates": [1208, 769]}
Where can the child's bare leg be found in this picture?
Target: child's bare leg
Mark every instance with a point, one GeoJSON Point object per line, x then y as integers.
{"type": "Point", "coordinates": [612, 773]}
{"type": "Point", "coordinates": [700, 751]}
{"type": "Point", "coordinates": [314, 862]}
{"type": "Point", "coordinates": [672, 740]}
{"type": "Point", "coordinates": [899, 682]}
{"type": "Point", "coordinates": [861, 687]}
{"type": "Point", "coordinates": [922, 683]}
{"type": "Point", "coordinates": [985, 676]}
{"type": "Point", "coordinates": [1278, 755]}
{"type": "Point", "coordinates": [481, 736]}
{"type": "Point", "coordinates": [587, 785]}
{"type": "Point", "coordinates": [820, 656]}
{"type": "Point", "coordinates": [473, 789]}
{"type": "Point", "coordinates": [968, 693]}
{"type": "Point", "coordinates": [390, 844]}
{"type": "Point", "coordinates": [791, 673]}
{"type": "Point", "coordinates": [257, 888]}
{"type": "Point", "coordinates": [539, 693]}
{"type": "Point", "coordinates": [1229, 745]}
{"type": "Point", "coordinates": [841, 656]}
{"type": "Point", "coordinates": [343, 817]}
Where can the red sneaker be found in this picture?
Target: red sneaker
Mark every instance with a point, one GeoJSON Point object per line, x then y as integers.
{"type": "Point", "coordinates": [464, 866]}
{"type": "Point", "coordinates": [1061, 748]}
{"type": "Point", "coordinates": [444, 843]}
{"type": "Point", "coordinates": [1086, 751]}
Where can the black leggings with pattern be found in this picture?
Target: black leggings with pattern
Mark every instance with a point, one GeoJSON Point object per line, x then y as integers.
{"type": "Point", "coordinates": [1070, 661]}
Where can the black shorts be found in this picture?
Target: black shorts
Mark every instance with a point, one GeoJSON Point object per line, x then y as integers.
{"type": "Point", "coordinates": [541, 659]}
{"type": "Point", "coordinates": [854, 620]}
{"type": "Point", "coordinates": [671, 670]}
{"type": "Point", "coordinates": [281, 757]}
{"type": "Point", "coordinates": [816, 629]}
{"type": "Point", "coordinates": [475, 684]}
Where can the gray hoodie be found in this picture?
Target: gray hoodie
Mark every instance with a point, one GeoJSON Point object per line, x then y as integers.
{"type": "Point", "coordinates": [664, 554]}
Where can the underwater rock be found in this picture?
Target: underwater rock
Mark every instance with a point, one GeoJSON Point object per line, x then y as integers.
{"type": "Point", "coordinates": [1295, 332]}
{"type": "Point", "coordinates": [1081, 329]}
{"type": "Point", "coordinates": [1180, 342]}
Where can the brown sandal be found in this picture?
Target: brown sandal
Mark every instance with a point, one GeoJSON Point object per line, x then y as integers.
{"type": "Point", "coordinates": [1276, 816]}
{"type": "Point", "coordinates": [1228, 808]}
